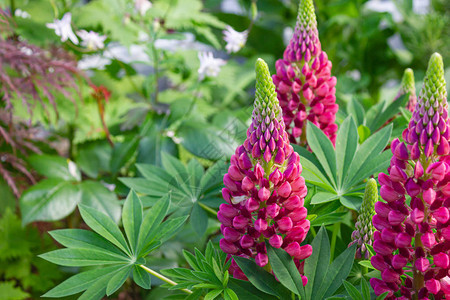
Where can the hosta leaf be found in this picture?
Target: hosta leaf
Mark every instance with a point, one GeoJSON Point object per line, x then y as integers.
{"type": "Point", "coordinates": [96, 195]}
{"type": "Point", "coordinates": [132, 218]}
{"type": "Point", "coordinates": [53, 166]}
{"type": "Point", "coordinates": [79, 282]}
{"type": "Point", "coordinates": [82, 257]}
{"type": "Point", "coordinates": [105, 226]}
{"type": "Point", "coordinates": [49, 200]}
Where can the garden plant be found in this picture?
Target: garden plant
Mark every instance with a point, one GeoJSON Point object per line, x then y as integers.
{"type": "Point", "coordinates": [189, 149]}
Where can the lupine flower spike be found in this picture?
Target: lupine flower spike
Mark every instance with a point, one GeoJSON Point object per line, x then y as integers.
{"type": "Point", "coordinates": [414, 240]}
{"type": "Point", "coordinates": [305, 87]}
{"type": "Point", "coordinates": [363, 234]}
{"type": "Point", "coordinates": [408, 86]}
{"type": "Point", "coordinates": [263, 187]}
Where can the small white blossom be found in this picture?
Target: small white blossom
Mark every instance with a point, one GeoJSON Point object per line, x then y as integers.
{"type": "Point", "coordinates": [235, 39]}
{"type": "Point", "coordinates": [209, 66]}
{"type": "Point", "coordinates": [73, 170]}
{"type": "Point", "coordinates": [92, 40]}
{"type": "Point", "coordinates": [238, 199]}
{"type": "Point", "coordinates": [26, 51]}
{"type": "Point", "coordinates": [21, 14]}
{"type": "Point", "coordinates": [142, 6]}
{"type": "Point", "coordinates": [63, 28]}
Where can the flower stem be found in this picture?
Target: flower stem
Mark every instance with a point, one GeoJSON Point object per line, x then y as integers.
{"type": "Point", "coordinates": [163, 278]}
{"type": "Point", "coordinates": [207, 208]}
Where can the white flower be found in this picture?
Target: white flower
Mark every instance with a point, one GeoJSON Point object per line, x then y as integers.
{"type": "Point", "coordinates": [27, 51]}
{"type": "Point", "coordinates": [209, 66]}
{"type": "Point", "coordinates": [235, 39]}
{"type": "Point", "coordinates": [63, 28]}
{"type": "Point", "coordinates": [21, 13]}
{"type": "Point", "coordinates": [91, 40]}
{"type": "Point", "coordinates": [73, 170]}
{"type": "Point", "coordinates": [142, 6]}
{"type": "Point", "coordinates": [93, 62]}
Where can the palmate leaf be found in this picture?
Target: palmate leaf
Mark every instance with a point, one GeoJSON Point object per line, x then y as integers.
{"type": "Point", "coordinates": [189, 186]}
{"type": "Point", "coordinates": [106, 245]}
{"type": "Point", "coordinates": [338, 173]}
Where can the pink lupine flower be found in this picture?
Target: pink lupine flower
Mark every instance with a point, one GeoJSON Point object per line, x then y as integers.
{"type": "Point", "coordinates": [412, 240]}
{"type": "Point", "coordinates": [263, 187]}
{"type": "Point", "coordinates": [305, 87]}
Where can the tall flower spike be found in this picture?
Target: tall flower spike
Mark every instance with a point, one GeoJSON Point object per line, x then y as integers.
{"type": "Point", "coordinates": [305, 87]}
{"type": "Point", "coordinates": [263, 187]}
{"type": "Point", "coordinates": [408, 86]}
{"type": "Point", "coordinates": [363, 234]}
{"type": "Point", "coordinates": [414, 240]}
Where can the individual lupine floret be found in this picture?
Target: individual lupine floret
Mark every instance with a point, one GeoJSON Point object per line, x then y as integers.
{"type": "Point", "coordinates": [263, 187]}
{"type": "Point", "coordinates": [306, 90]}
{"type": "Point", "coordinates": [408, 86]}
{"type": "Point", "coordinates": [363, 234]}
{"type": "Point", "coordinates": [414, 240]}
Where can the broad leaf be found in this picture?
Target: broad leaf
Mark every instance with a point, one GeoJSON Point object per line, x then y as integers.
{"type": "Point", "coordinates": [53, 166]}
{"type": "Point", "coordinates": [96, 195]}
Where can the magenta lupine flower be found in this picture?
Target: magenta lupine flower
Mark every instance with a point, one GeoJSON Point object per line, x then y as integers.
{"type": "Point", "coordinates": [363, 233]}
{"type": "Point", "coordinates": [305, 87]}
{"type": "Point", "coordinates": [414, 239]}
{"type": "Point", "coordinates": [408, 86]}
{"type": "Point", "coordinates": [263, 187]}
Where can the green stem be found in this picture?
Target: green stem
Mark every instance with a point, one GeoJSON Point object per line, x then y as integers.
{"type": "Point", "coordinates": [12, 5]}
{"type": "Point", "coordinates": [207, 208]}
{"type": "Point", "coordinates": [333, 240]}
{"type": "Point", "coordinates": [163, 278]}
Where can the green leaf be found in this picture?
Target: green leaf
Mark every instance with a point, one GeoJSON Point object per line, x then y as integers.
{"type": "Point", "coordinates": [199, 219]}
{"type": "Point", "coordinates": [388, 113]}
{"type": "Point", "coordinates": [346, 144]}
{"type": "Point", "coordinates": [169, 228]}
{"type": "Point", "coordinates": [103, 225]}
{"type": "Point", "coordinates": [49, 200]}
{"type": "Point", "coordinates": [118, 279]}
{"type": "Point", "coordinates": [351, 202]}
{"type": "Point", "coordinates": [317, 264]}
{"type": "Point", "coordinates": [83, 239]}
{"type": "Point", "coordinates": [259, 277]}
{"type": "Point", "coordinates": [245, 290]}
{"type": "Point", "coordinates": [352, 291]}
{"type": "Point", "coordinates": [82, 257]}
{"type": "Point", "coordinates": [152, 219]}
{"type": "Point", "coordinates": [328, 219]}
{"type": "Point", "coordinates": [123, 152]}
{"type": "Point", "coordinates": [53, 166]}
{"type": "Point", "coordinates": [97, 290]}
{"type": "Point", "coordinates": [337, 272]}
{"type": "Point", "coordinates": [364, 133]}
{"type": "Point", "coordinates": [284, 268]}
{"type": "Point", "coordinates": [382, 296]}
{"type": "Point", "coordinates": [230, 295]}
{"type": "Point", "coordinates": [366, 263]}
{"type": "Point", "coordinates": [94, 157]}
{"type": "Point", "coordinates": [141, 277]}
{"type": "Point", "coordinates": [132, 219]}
{"type": "Point", "coordinates": [356, 110]}
{"type": "Point", "coordinates": [323, 197]}
{"type": "Point", "coordinates": [79, 282]}
{"type": "Point", "coordinates": [213, 294]}
{"type": "Point", "coordinates": [322, 147]}
{"type": "Point", "coordinates": [371, 148]}
{"type": "Point", "coordinates": [8, 291]}
{"type": "Point", "coordinates": [365, 288]}
{"type": "Point", "coordinates": [96, 195]}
